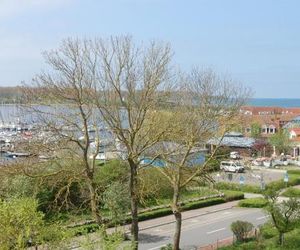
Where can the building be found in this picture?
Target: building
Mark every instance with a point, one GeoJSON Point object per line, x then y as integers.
{"type": "Point", "coordinates": [234, 141]}
{"type": "Point", "coordinates": [267, 120]}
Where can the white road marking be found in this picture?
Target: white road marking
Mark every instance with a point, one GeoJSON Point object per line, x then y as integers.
{"type": "Point", "coordinates": [227, 212]}
{"type": "Point", "coordinates": [157, 230]}
{"type": "Point", "coordinates": [263, 217]}
{"type": "Point", "coordinates": [217, 230]}
{"type": "Point", "coordinates": [194, 221]}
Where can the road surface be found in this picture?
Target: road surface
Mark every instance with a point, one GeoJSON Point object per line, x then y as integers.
{"type": "Point", "coordinates": [199, 230]}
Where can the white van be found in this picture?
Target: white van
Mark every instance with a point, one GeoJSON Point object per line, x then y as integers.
{"type": "Point", "coordinates": [232, 166]}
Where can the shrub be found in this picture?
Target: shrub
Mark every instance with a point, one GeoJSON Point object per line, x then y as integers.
{"type": "Point", "coordinates": [268, 231]}
{"type": "Point", "coordinates": [253, 203]}
{"type": "Point", "coordinates": [22, 225]}
{"type": "Point", "coordinates": [231, 195]}
{"type": "Point", "coordinates": [241, 229]}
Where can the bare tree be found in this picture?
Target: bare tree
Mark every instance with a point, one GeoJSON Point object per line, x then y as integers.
{"type": "Point", "coordinates": [204, 108]}
{"type": "Point", "coordinates": [132, 84]}
{"type": "Point", "coordinates": [60, 104]}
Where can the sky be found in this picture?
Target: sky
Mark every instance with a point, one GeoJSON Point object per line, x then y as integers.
{"type": "Point", "coordinates": [256, 42]}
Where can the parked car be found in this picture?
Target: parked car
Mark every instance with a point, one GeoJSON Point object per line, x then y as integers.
{"type": "Point", "coordinates": [232, 166]}
{"type": "Point", "coordinates": [234, 155]}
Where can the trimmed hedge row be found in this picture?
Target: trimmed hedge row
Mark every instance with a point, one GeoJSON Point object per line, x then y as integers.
{"type": "Point", "coordinates": [253, 203]}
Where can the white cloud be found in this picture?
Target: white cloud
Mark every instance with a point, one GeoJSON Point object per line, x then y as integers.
{"type": "Point", "coordinates": [10, 8]}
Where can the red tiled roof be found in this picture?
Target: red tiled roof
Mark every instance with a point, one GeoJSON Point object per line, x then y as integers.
{"type": "Point", "coordinates": [258, 110]}
{"type": "Point", "coordinates": [296, 130]}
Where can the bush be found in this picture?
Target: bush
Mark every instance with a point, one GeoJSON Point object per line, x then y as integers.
{"type": "Point", "coordinates": [231, 195]}
{"type": "Point", "coordinates": [292, 192]}
{"type": "Point", "coordinates": [253, 203]}
{"type": "Point", "coordinates": [153, 186]}
{"type": "Point", "coordinates": [268, 231]}
{"type": "Point", "coordinates": [241, 229]}
{"type": "Point", "coordinates": [22, 225]}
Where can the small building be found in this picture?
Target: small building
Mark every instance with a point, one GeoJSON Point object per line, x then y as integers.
{"type": "Point", "coordinates": [234, 141]}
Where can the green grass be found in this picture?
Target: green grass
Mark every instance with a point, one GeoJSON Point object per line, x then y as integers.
{"type": "Point", "coordinates": [253, 202]}
{"type": "Point", "coordinates": [294, 179]}
{"type": "Point", "coordinates": [238, 187]}
{"type": "Point", "coordinates": [268, 240]}
{"type": "Point", "coordinates": [291, 192]}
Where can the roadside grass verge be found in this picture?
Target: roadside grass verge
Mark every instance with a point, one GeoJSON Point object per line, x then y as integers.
{"type": "Point", "coordinates": [268, 240]}
{"type": "Point", "coordinates": [291, 192]}
{"type": "Point", "coordinates": [294, 179]}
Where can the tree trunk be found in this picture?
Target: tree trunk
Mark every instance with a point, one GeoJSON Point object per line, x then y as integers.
{"type": "Point", "coordinates": [176, 240]}
{"type": "Point", "coordinates": [281, 239]}
{"type": "Point", "coordinates": [178, 219]}
{"type": "Point", "coordinates": [93, 203]}
{"type": "Point", "coordinates": [134, 204]}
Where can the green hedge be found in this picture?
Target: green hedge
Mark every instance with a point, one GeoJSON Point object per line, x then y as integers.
{"type": "Point", "coordinates": [291, 192]}
{"type": "Point", "coordinates": [253, 202]}
{"type": "Point", "coordinates": [231, 195]}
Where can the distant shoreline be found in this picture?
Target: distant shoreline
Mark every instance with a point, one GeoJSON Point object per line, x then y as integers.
{"type": "Point", "coordinates": [260, 102]}
{"type": "Point", "coordinates": [276, 102]}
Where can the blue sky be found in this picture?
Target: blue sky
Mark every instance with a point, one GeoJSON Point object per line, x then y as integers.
{"type": "Point", "coordinates": [257, 42]}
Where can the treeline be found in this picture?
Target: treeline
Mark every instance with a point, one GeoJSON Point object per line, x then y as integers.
{"type": "Point", "coordinates": [10, 95]}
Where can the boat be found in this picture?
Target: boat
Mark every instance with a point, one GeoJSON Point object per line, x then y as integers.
{"type": "Point", "coordinates": [17, 154]}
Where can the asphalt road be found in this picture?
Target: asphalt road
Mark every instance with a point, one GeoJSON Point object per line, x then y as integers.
{"type": "Point", "coordinates": [200, 230]}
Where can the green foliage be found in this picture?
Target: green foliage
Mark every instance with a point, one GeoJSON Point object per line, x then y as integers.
{"type": "Point", "coordinates": [281, 141]}
{"type": "Point", "coordinates": [153, 186]}
{"type": "Point", "coordinates": [109, 172]}
{"type": "Point", "coordinates": [268, 231]}
{"type": "Point", "coordinates": [292, 242]}
{"type": "Point", "coordinates": [294, 172]}
{"type": "Point", "coordinates": [22, 225]}
{"type": "Point", "coordinates": [255, 130]}
{"type": "Point", "coordinates": [253, 202]}
{"type": "Point", "coordinates": [241, 229]}
{"type": "Point", "coordinates": [167, 247]}
{"type": "Point", "coordinates": [204, 203]}
{"type": "Point", "coordinates": [291, 192]}
{"type": "Point", "coordinates": [285, 215]}
{"type": "Point", "coordinates": [231, 195]}
{"type": "Point", "coordinates": [17, 186]}
{"type": "Point", "coordinates": [237, 187]}
{"type": "Point", "coordinates": [116, 201]}
{"type": "Point", "coordinates": [20, 222]}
